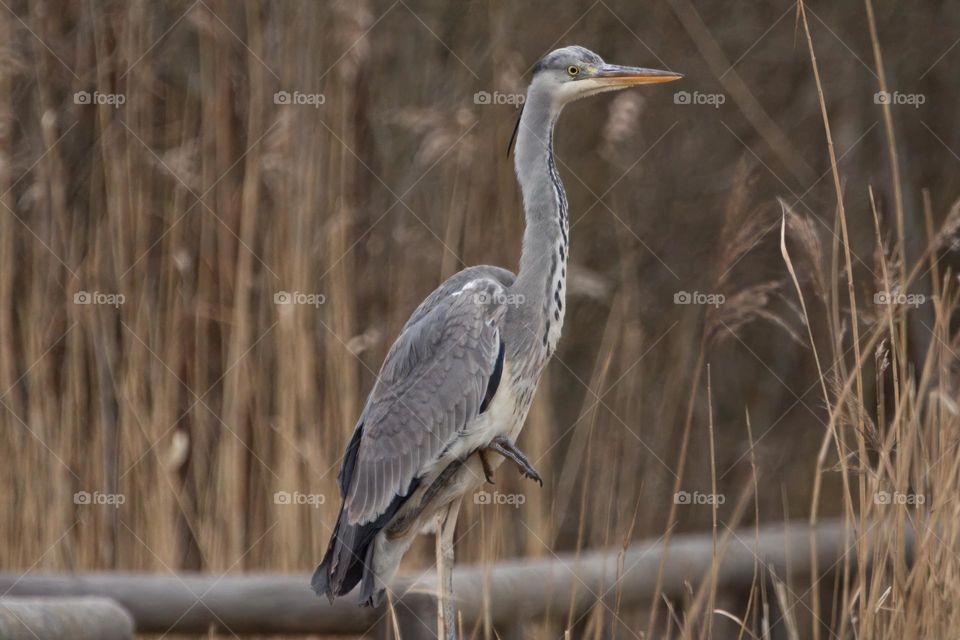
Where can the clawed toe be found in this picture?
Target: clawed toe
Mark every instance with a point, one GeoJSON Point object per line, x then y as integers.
{"type": "Point", "coordinates": [510, 451]}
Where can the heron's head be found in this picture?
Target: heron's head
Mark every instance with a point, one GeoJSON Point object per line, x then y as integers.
{"type": "Point", "coordinates": [572, 73]}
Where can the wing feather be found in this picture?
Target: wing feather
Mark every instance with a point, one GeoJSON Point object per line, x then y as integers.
{"type": "Point", "coordinates": [431, 385]}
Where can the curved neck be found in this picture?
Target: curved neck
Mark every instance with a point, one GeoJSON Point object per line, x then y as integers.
{"type": "Point", "coordinates": [543, 261]}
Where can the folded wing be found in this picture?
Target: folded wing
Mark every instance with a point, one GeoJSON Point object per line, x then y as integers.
{"type": "Point", "coordinates": [432, 384]}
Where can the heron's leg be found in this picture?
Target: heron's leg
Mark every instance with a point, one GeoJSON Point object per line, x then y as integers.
{"type": "Point", "coordinates": [400, 526]}
{"type": "Point", "coordinates": [446, 611]}
{"type": "Point", "coordinates": [509, 450]}
{"type": "Point", "coordinates": [487, 471]}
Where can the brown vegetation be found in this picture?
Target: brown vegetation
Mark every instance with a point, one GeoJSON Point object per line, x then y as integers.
{"type": "Point", "coordinates": [197, 397]}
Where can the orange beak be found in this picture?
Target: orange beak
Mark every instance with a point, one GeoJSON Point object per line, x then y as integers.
{"type": "Point", "coordinates": [616, 75]}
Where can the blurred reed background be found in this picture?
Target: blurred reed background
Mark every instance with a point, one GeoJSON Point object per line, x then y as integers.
{"type": "Point", "coordinates": [171, 161]}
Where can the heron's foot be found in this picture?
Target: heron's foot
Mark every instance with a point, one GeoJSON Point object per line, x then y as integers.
{"type": "Point", "coordinates": [510, 451]}
{"type": "Point", "coordinates": [487, 471]}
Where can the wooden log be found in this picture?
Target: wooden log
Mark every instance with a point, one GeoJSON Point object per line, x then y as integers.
{"type": "Point", "coordinates": [84, 618]}
{"type": "Point", "coordinates": [519, 590]}
{"type": "Point", "coordinates": [195, 603]}
{"type": "Point", "coordinates": [512, 591]}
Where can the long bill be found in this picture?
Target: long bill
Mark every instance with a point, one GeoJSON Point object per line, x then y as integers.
{"type": "Point", "coordinates": [617, 75]}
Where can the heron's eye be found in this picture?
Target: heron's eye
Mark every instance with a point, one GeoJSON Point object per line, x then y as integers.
{"type": "Point", "coordinates": [573, 70]}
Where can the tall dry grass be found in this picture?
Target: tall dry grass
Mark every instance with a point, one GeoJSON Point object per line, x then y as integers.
{"type": "Point", "coordinates": [199, 199]}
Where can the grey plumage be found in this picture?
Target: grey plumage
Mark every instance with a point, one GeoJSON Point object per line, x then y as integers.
{"type": "Point", "coordinates": [460, 379]}
{"type": "Point", "coordinates": [432, 382]}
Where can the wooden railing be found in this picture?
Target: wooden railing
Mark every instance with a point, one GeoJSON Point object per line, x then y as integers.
{"type": "Point", "coordinates": [508, 592]}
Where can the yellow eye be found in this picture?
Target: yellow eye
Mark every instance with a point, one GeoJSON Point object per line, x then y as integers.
{"type": "Point", "coordinates": [573, 70]}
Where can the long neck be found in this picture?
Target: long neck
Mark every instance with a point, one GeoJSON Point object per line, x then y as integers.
{"type": "Point", "coordinates": [543, 262]}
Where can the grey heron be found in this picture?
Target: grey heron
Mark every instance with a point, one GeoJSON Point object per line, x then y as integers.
{"type": "Point", "coordinates": [456, 386]}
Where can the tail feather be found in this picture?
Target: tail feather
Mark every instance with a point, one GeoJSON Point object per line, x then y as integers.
{"type": "Point", "coordinates": [343, 563]}
{"type": "Point", "coordinates": [320, 582]}
{"type": "Point", "coordinates": [349, 557]}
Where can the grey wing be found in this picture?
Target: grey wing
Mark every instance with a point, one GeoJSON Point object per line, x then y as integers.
{"type": "Point", "coordinates": [455, 283]}
{"type": "Point", "coordinates": [431, 385]}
